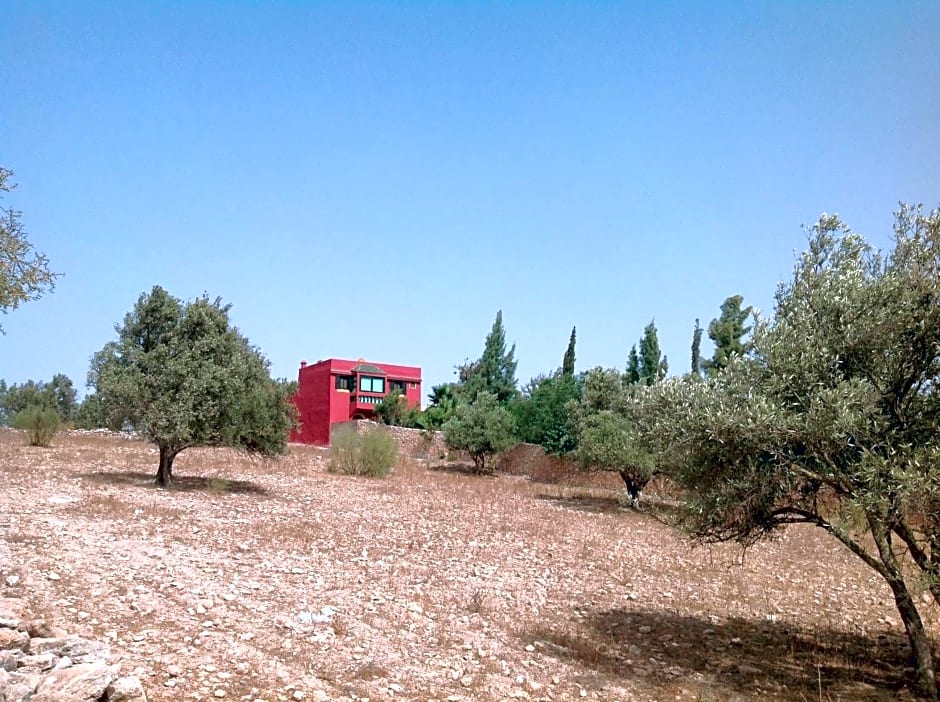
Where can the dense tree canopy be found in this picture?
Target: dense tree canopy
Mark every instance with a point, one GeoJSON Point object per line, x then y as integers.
{"type": "Point", "coordinates": [542, 415]}
{"type": "Point", "coordinates": [58, 395]}
{"type": "Point", "coordinates": [833, 419]}
{"type": "Point", "coordinates": [182, 376]}
{"type": "Point", "coordinates": [24, 272]}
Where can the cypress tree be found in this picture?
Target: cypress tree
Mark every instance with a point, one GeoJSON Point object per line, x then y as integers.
{"type": "Point", "coordinates": [728, 332]}
{"type": "Point", "coordinates": [697, 349]}
{"type": "Point", "coordinates": [495, 371]}
{"type": "Point", "coordinates": [567, 365]}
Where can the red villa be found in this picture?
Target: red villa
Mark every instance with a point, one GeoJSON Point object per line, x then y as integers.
{"type": "Point", "coordinates": [336, 390]}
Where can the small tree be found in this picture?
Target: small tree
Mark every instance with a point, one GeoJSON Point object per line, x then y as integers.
{"type": "Point", "coordinates": [482, 428]}
{"type": "Point", "coordinates": [728, 332]}
{"type": "Point", "coordinates": [24, 272]}
{"type": "Point", "coordinates": [608, 440]}
{"type": "Point", "coordinates": [609, 429]}
{"type": "Point", "coordinates": [183, 377]}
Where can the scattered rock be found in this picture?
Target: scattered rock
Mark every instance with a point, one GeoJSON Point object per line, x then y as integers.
{"type": "Point", "coordinates": [40, 663]}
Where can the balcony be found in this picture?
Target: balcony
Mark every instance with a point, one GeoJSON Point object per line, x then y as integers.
{"type": "Point", "coordinates": [365, 401]}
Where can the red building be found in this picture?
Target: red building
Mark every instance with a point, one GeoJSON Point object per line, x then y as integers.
{"type": "Point", "coordinates": [336, 390]}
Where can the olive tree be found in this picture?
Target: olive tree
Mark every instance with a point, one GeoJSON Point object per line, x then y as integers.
{"type": "Point", "coordinates": [181, 375]}
{"type": "Point", "coordinates": [24, 272]}
{"type": "Point", "coordinates": [482, 428]}
{"type": "Point", "coordinates": [608, 424]}
{"type": "Point", "coordinates": [834, 417]}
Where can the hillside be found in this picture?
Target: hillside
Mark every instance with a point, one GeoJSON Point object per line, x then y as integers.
{"type": "Point", "coordinates": [280, 581]}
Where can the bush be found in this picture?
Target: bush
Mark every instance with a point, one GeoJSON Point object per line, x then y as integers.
{"type": "Point", "coordinates": [373, 453]}
{"type": "Point", "coordinates": [40, 424]}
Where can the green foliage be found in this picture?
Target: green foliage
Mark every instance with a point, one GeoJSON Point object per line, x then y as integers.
{"type": "Point", "coordinates": [182, 376]}
{"type": "Point", "coordinates": [373, 453]}
{"type": "Point", "coordinates": [697, 350]}
{"type": "Point", "coordinates": [287, 386]}
{"type": "Point", "coordinates": [609, 440]}
{"type": "Point", "coordinates": [58, 395]}
{"type": "Point", "coordinates": [40, 424]}
{"type": "Point", "coordinates": [24, 272]}
{"type": "Point", "coordinates": [494, 372]}
{"type": "Point", "coordinates": [649, 365]}
{"type": "Point", "coordinates": [612, 430]}
{"type": "Point", "coordinates": [92, 414]}
{"type": "Point", "coordinates": [393, 410]}
{"type": "Point", "coordinates": [835, 412]}
{"type": "Point", "coordinates": [567, 364]}
{"type": "Point", "coordinates": [444, 401]}
{"type": "Point", "coordinates": [482, 428]}
{"type": "Point", "coordinates": [728, 332]}
{"type": "Point", "coordinates": [542, 415]}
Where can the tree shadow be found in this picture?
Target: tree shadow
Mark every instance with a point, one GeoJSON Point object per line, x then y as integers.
{"type": "Point", "coordinates": [592, 504]}
{"type": "Point", "coordinates": [181, 483]}
{"type": "Point", "coordinates": [462, 468]}
{"type": "Point", "coordinates": [731, 658]}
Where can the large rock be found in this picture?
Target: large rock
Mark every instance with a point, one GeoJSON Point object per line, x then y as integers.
{"type": "Point", "coordinates": [85, 682]}
{"type": "Point", "coordinates": [126, 689]}
{"type": "Point", "coordinates": [13, 639]}
{"type": "Point", "coordinates": [78, 649]}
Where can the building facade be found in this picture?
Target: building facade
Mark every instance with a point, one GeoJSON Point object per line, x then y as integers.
{"type": "Point", "coordinates": [337, 390]}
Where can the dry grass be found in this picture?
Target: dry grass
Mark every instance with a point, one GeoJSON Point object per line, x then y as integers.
{"type": "Point", "coordinates": [425, 585]}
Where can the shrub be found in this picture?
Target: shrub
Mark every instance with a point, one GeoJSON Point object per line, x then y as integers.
{"type": "Point", "coordinates": [40, 424]}
{"type": "Point", "coordinates": [373, 453]}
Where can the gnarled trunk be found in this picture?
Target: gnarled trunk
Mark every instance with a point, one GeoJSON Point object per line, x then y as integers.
{"type": "Point", "coordinates": [165, 470]}
{"type": "Point", "coordinates": [925, 679]}
{"type": "Point", "coordinates": [633, 488]}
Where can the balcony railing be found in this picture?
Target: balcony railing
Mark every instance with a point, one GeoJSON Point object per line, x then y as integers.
{"type": "Point", "coordinates": [366, 399]}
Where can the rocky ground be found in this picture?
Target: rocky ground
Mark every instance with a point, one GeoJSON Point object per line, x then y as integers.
{"type": "Point", "coordinates": [279, 581]}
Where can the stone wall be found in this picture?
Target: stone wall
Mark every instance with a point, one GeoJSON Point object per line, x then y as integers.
{"type": "Point", "coordinates": [41, 663]}
{"type": "Point", "coordinates": [532, 461]}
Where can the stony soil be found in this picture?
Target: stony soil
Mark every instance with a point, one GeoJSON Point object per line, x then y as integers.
{"type": "Point", "coordinates": [280, 581]}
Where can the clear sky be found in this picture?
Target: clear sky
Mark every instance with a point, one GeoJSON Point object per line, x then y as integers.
{"type": "Point", "coordinates": [378, 179]}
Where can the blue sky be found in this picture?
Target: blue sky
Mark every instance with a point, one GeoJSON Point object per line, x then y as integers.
{"type": "Point", "coordinates": [378, 179]}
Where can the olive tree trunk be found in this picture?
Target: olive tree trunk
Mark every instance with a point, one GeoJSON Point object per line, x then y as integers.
{"type": "Point", "coordinates": [924, 676]}
{"type": "Point", "coordinates": [165, 470]}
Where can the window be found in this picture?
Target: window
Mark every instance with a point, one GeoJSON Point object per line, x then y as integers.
{"type": "Point", "coordinates": [394, 385]}
{"type": "Point", "coordinates": [345, 382]}
{"type": "Point", "coordinates": [370, 384]}
{"type": "Point", "coordinates": [413, 386]}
